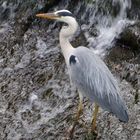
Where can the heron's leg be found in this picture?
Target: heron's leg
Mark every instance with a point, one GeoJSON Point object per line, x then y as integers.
{"type": "Point", "coordinates": [80, 107]}
{"type": "Point", "coordinates": [94, 118]}
{"type": "Point", "coordinates": [79, 112]}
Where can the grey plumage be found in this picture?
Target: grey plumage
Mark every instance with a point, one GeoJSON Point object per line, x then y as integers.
{"type": "Point", "coordinates": [94, 80]}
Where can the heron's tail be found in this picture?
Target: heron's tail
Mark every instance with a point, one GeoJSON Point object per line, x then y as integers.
{"type": "Point", "coordinates": [124, 118]}
{"type": "Point", "coordinates": [120, 110]}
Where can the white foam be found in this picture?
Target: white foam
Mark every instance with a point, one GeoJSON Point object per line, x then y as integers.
{"type": "Point", "coordinates": [33, 97]}
{"type": "Point", "coordinates": [41, 47]}
{"type": "Point", "coordinates": [109, 27]}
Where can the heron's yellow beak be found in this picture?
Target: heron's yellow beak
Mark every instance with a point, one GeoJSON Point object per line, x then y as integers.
{"type": "Point", "coordinates": [48, 16]}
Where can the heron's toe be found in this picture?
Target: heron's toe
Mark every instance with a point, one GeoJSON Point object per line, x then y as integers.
{"type": "Point", "coordinates": [91, 135]}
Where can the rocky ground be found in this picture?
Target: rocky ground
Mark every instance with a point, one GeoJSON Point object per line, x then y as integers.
{"type": "Point", "coordinates": [37, 101]}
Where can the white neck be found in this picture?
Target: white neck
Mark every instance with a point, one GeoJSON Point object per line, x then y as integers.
{"type": "Point", "coordinates": [65, 33]}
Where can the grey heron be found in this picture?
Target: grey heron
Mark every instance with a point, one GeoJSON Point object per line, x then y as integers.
{"type": "Point", "coordinates": [88, 72]}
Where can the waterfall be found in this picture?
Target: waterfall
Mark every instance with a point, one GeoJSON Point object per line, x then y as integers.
{"type": "Point", "coordinates": [109, 18]}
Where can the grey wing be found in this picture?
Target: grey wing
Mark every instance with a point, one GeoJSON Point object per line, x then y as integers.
{"type": "Point", "coordinates": [94, 80]}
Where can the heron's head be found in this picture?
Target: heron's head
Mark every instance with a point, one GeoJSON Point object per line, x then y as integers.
{"type": "Point", "coordinates": [61, 15]}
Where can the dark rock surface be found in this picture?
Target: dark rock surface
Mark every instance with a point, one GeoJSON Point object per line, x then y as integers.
{"type": "Point", "coordinates": [130, 37]}
{"type": "Point", "coordinates": [37, 101]}
{"type": "Point", "coordinates": [134, 12]}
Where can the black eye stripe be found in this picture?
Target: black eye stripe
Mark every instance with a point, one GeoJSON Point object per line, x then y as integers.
{"type": "Point", "coordinates": [65, 14]}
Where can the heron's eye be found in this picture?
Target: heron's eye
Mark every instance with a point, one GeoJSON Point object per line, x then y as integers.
{"type": "Point", "coordinates": [72, 59]}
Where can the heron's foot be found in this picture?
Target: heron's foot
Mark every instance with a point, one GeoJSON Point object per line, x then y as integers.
{"type": "Point", "coordinates": [93, 131]}
{"type": "Point", "coordinates": [92, 135]}
{"type": "Point", "coordinates": [71, 130]}
{"type": "Point", "coordinates": [93, 128]}
{"type": "Point", "coordinates": [78, 114]}
{"type": "Point", "coordinates": [76, 121]}
{"type": "Point", "coordinates": [83, 124]}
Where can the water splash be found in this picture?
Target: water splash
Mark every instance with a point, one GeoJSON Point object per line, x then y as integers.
{"type": "Point", "coordinates": [108, 23]}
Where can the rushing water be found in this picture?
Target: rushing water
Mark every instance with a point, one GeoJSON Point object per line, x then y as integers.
{"type": "Point", "coordinates": [36, 94]}
{"type": "Point", "coordinates": [109, 18]}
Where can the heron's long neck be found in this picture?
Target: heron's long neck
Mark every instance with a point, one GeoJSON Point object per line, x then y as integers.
{"type": "Point", "coordinates": [65, 34]}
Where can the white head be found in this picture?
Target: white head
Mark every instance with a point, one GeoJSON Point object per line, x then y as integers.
{"type": "Point", "coordinates": [63, 16]}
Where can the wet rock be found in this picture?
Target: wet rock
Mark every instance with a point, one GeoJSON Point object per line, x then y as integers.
{"type": "Point", "coordinates": [79, 40]}
{"type": "Point", "coordinates": [118, 54]}
{"type": "Point", "coordinates": [36, 98]}
{"type": "Point", "coordinates": [134, 12]}
{"type": "Point", "coordinates": [130, 37]}
{"type": "Point", "coordinates": [126, 63]}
